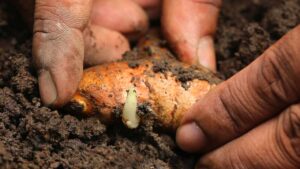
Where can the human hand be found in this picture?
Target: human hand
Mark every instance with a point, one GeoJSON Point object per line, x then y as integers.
{"type": "Point", "coordinates": [251, 120]}
{"type": "Point", "coordinates": [70, 33]}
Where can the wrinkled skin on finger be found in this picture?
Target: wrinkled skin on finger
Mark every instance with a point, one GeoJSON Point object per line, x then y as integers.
{"type": "Point", "coordinates": [257, 107]}
{"type": "Point", "coordinates": [58, 47]}
{"type": "Point", "coordinates": [252, 119]}
{"type": "Point", "coordinates": [273, 145]}
{"type": "Point", "coordinates": [61, 27]}
{"type": "Point", "coordinates": [60, 36]}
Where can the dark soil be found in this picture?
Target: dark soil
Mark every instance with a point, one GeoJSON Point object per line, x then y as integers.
{"type": "Point", "coordinates": [33, 136]}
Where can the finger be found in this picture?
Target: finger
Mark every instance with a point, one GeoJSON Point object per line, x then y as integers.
{"type": "Point", "coordinates": [273, 145]}
{"type": "Point", "coordinates": [148, 3]}
{"type": "Point", "coordinates": [153, 13]}
{"type": "Point", "coordinates": [152, 7]}
{"type": "Point", "coordinates": [58, 47]}
{"type": "Point", "coordinates": [123, 16]}
{"type": "Point", "coordinates": [254, 95]}
{"type": "Point", "coordinates": [189, 26]}
{"type": "Point", "coordinates": [103, 45]}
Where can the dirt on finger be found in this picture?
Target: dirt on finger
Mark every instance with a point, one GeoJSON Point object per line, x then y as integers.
{"type": "Point", "coordinates": [33, 136]}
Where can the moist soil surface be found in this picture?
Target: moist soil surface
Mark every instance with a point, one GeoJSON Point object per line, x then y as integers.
{"type": "Point", "coordinates": [33, 136]}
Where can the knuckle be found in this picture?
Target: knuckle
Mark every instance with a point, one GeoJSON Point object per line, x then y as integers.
{"type": "Point", "coordinates": [293, 127]}
{"type": "Point", "coordinates": [228, 101]}
{"type": "Point", "coordinates": [273, 75]}
{"type": "Point", "coordinates": [65, 44]}
{"type": "Point", "coordinates": [287, 54]}
{"type": "Point", "coordinates": [291, 133]}
{"type": "Point", "coordinates": [73, 13]}
{"type": "Point", "coordinates": [49, 29]}
{"type": "Point", "coordinates": [232, 118]}
{"type": "Point", "coordinates": [47, 22]}
{"type": "Point", "coordinates": [279, 70]}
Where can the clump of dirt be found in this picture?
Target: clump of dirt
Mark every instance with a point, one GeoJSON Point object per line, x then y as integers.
{"type": "Point", "coordinates": [247, 28]}
{"type": "Point", "coordinates": [33, 136]}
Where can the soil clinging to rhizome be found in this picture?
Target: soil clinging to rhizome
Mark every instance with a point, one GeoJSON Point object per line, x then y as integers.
{"type": "Point", "coordinates": [33, 136]}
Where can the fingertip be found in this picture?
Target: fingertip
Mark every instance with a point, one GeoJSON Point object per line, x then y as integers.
{"type": "Point", "coordinates": [47, 87]}
{"type": "Point", "coordinates": [103, 45]}
{"type": "Point", "coordinates": [57, 87]}
{"type": "Point", "coordinates": [189, 30]}
{"type": "Point", "coordinates": [152, 7]}
{"type": "Point", "coordinates": [190, 137]}
{"type": "Point", "coordinates": [123, 16]}
{"type": "Point", "coordinates": [206, 53]}
{"type": "Point", "coordinates": [58, 49]}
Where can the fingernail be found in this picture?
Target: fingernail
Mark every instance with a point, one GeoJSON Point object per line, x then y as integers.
{"type": "Point", "coordinates": [47, 88]}
{"type": "Point", "coordinates": [190, 137]}
{"type": "Point", "coordinates": [206, 53]}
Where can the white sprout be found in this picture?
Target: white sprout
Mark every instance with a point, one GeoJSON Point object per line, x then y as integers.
{"type": "Point", "coordinates": [129, 116]}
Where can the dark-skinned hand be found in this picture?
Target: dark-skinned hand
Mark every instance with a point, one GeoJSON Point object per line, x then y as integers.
{"type": "Point", "coordinates": [252, 120]}
{"type": "Point", "coordinates": [70, 33]}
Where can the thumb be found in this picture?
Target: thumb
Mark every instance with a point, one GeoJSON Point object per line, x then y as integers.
{"type": "Point", "coordinates": [189, 26]}
{"type": "Point", "coordinates": [273, 145]}
{"type": "Point", "coordinates": [58, 47]}
{"type": "Point", "coordinates": [254, 95]}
